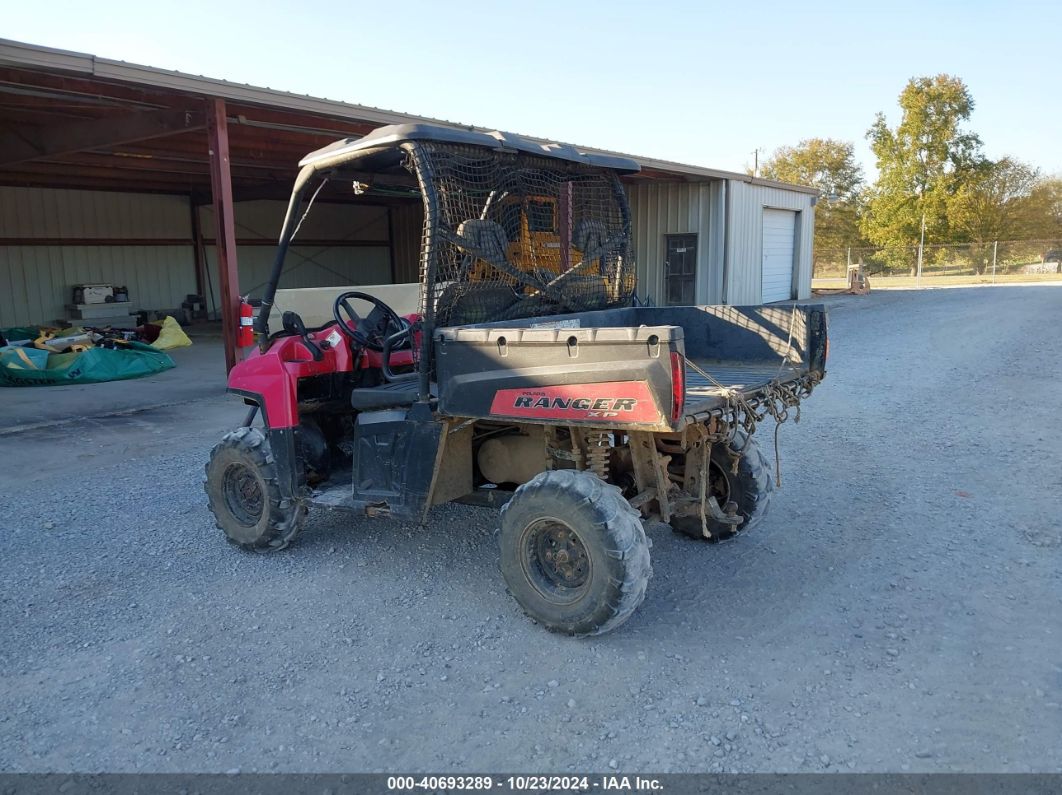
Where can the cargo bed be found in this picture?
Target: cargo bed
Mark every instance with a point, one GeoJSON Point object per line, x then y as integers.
{"type": "Point", "coordinates": [743, 349]}
{"type": "Point", "coordinates": [703, 394]}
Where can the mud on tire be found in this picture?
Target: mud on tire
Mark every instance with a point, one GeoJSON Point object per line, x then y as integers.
{"type": "Point", "coordinates": [244, 495]}
{"type": "Point", "coordinates": [751, 488]}
{"type": "Point", "coordinates": [574, 553]}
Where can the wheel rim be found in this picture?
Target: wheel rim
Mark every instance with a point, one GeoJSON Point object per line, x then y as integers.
{"type": "Point", "coordinates": [718, 484]}
{"type": "Point", "coordinates": [243, 494]}
{"type": "Point", "coordinates": [555, 561]}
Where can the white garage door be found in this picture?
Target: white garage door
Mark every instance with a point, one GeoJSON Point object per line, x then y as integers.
{"type": "Point", "coordinates": [779, 234]}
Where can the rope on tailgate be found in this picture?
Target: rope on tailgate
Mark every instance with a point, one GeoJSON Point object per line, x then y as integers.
{"type": "Point", "coordinates": [788, 345]}
{"type": "Point", "coordinates": [776, 401]}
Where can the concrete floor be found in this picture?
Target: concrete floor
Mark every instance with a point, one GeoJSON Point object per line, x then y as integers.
{"type": "Point", "coordinates": [200, 373]}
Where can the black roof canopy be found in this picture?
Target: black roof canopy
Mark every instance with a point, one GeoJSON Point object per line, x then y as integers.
{"type": "Point", "coordinates": [376, 149]}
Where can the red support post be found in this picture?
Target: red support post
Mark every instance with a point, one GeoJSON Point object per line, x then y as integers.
{"type": "Point", "coordinates": [224, 226]}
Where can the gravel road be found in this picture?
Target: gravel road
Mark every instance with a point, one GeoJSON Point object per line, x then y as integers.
{"type": "Point", "coordinates": [900, 608]}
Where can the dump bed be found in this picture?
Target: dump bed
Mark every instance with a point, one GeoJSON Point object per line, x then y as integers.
{"type": "Point", "coordinates": [638, 367]}
{"type": "Point", "coordinates": [745, 348]}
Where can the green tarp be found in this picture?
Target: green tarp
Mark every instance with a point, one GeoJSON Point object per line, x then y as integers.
{"type": "Point", "coordinates": [89, 367]}
{"type": "Point", "coordinates": [19, 333]}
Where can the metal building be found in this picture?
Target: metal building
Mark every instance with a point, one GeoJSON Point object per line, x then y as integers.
{"type": "Point", "coordinates": [172, 184]}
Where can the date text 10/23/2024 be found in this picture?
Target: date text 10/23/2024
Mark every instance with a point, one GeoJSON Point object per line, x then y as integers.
{"type": "Point", "coordinates": [524, 783]}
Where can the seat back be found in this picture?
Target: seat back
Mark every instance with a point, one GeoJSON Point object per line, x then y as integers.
{"type": "Point", "coordinates": [485, 240]}
{"type": "Point", "coordinates": [590, 237]}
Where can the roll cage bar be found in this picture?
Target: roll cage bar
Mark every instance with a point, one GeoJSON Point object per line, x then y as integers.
{"type": "Point", "coordinates": [386, 150]}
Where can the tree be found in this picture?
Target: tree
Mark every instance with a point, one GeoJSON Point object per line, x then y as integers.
{"type": "Point", "coordinates": [830, 166]}
{"type": "Point", "coordinates": [993, 203]}
{"type": "Point", "coordinates": [1045, 210]}
{"type": "Point", "coordinates": [922, 162]}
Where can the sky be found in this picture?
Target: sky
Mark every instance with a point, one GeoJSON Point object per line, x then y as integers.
{"type": "Point", "coordinates": [705, 83]}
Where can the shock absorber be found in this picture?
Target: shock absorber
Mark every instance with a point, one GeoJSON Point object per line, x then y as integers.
{"type": "Point", "coordinates": [598, 450]}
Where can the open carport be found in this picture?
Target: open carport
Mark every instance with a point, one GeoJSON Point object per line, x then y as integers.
{"type": "Point", "coordinates": [174, 185]}
{"type": "Point", "coordinates": [164, 182]}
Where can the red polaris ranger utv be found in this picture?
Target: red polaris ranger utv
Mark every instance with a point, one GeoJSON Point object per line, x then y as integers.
{"type": "Point", "coordinates": [529, 377]}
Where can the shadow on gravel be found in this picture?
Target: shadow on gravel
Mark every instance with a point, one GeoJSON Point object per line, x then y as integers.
{"type": "Point", "coordinates": [749, 586]}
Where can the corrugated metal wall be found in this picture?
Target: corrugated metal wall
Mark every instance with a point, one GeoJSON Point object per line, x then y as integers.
{"type": "Point", "coordinates": [747, 203]}
{"type": "Point", "coordinates": [659, 209]}
{"type": "Point", "coordinates": [407, 222]}
{"type": "Point", "coordinates": [306, 266]}
{"type": "Point", "coordinates": [671, 208]}
{"type": "Point", "coordinates": [36, 280]}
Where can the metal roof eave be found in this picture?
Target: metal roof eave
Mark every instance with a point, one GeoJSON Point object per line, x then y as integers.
{"type": "Point", "coordinates": [21, 54]}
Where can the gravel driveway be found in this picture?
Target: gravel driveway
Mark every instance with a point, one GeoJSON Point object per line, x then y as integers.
{"type": "Point", "coordinates": [900, 608]}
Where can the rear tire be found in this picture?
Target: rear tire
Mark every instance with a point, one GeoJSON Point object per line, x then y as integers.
{"type": "Point", "coordinates": [244, 495]}
{"type": "Point", "coordinates": [751, 488]}
{"type": "Point", "coordinates": [574, 552]}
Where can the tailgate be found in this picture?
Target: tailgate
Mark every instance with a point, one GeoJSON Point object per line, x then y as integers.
{"type": "Point", "coordinates": [617, 376]}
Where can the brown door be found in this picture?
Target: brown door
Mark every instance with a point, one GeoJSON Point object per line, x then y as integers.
{"type": "Point", "coordinates": [680, 270]}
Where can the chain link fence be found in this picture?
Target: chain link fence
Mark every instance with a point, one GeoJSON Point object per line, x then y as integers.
{"type": "Point", "coordinates": [1004, 260]}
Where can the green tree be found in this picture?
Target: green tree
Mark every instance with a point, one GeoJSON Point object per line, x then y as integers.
{"type": "Point", "coordinates": [1045, 213]}
{"type": "Point", "coordinates": [830, 166]}
{"type": "Point", "coordinates": [921, 163]}
{"type": "Point", "coordinates": [993, 203]}
{"type": "Point", "coordinates": [1045, 210]}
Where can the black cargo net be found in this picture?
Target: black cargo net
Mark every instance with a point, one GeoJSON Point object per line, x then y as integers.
{"type": "Point", "coordinates": [517, 236]}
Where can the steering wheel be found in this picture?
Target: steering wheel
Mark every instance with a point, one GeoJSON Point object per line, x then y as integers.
{"type": "Point", "coordinates": [350, 325]}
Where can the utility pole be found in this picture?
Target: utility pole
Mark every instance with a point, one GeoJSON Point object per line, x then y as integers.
{"type": "Point", "coordinates": [921, 245]}
{"type": "Point", "coordinates": [756, 162]}
{"type": "Point", "coordinates": [995, 250]}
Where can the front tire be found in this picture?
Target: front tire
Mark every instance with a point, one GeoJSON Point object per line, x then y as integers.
{"type": "Point", "coordinates": [244, 496]}
{"type": "Point", "coordinates": [574, 552]}
{"type": "Point", "coordinates": [750, 487]}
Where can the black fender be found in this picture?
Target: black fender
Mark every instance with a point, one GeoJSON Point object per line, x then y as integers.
{"type": "Point", "coordinates": [284, 446]}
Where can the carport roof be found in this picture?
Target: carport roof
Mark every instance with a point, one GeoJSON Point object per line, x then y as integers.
{"type": "Point", "coordinates": [78, 120]}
